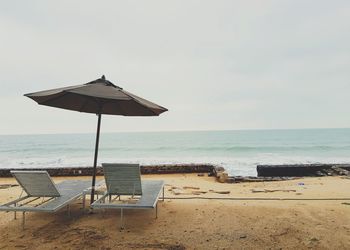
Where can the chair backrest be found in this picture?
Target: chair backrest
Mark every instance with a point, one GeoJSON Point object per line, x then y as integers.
{"type": "Point", "coordinates": [122, 178]}
{"type": "Point", "coordinates": [36, 183]}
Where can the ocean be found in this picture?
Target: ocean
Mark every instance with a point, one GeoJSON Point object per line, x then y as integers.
{"type": "Point", "coordinates": [238, 151]}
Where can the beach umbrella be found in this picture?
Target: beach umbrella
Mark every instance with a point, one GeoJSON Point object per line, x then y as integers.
{"type": "Point", "coordinates": [97, 97]}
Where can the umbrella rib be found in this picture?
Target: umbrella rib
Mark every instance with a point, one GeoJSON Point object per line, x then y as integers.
{"type": "Point", "coordinates": [66, 93]}
{"type": "Point", "coordinates": [86, 102]}
{"type": "Point", "coordinates": [107, 101]}
{"type": "Point", "coordinates": [83, 106]}
{"type": "Point", "coordinates": [133, 98]}
{"type": "Point", "coordinates": [54, 99]}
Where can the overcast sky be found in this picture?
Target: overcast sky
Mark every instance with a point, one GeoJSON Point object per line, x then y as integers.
{"type": "Point", "coordinates": [214, 64]}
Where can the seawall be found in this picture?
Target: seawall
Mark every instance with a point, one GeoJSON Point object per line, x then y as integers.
{"type": "Point", "coordinates": [145, 169]}
{"type": "Point", "coordinates": [301, 170]}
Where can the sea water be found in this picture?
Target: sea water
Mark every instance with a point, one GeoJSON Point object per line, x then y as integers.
{"type": "Point", "coordinates": [238, 151]}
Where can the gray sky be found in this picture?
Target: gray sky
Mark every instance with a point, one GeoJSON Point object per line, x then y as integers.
{"type": "Point", "coordinates": [213, 64]}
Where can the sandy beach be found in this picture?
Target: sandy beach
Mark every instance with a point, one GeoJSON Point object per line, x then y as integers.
{"type": "Point", "coordinates": [197, 223]}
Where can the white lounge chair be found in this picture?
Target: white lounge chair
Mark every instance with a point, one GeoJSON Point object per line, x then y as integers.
{"type": "Point", "coordinates": [42, 194]}
{"type": "Point", "coordinates": [125, 180]}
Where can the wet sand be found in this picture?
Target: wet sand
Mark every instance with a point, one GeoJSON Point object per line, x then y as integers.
{"type": "Point", "coordinates": [229, 222]}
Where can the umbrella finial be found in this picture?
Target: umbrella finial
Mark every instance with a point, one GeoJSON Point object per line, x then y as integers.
{"type": "Point", "coordinates": [103, 77]}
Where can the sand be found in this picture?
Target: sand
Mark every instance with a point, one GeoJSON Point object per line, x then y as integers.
{"type": "Point", "coordinates": [197, 223]}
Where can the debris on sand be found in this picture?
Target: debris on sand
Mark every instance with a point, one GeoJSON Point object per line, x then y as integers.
{"type": "Point", "coordinates": [5, 186]}
{"type": "Point", "coordinates": [264, 190]}
{"type": "Point", "coordinates": [190, 187]}
{"type": "Point", "coordinates": [219, 192]}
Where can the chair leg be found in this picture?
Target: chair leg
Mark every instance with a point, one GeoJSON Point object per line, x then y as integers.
{"type": "Point", "coordinates": [157, 210]}
{"type": "Point", "coordinates": [84, 198]}
{"type": "Point", "coordinates": [163, 193]}
{"type": "Point", "coordinates": [23, 220]}
{"type": "Point", "coordinates": [68, 210]}
{"type": "Point", "coordinates": [121, 219]}
{"type": "Point", "coordinates": [15, 215]}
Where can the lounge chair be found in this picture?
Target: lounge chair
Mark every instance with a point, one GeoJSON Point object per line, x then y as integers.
{"type": "Point", "coordinates": [43, 195]}
{"type": "Point", "coordinates": [125, 180]}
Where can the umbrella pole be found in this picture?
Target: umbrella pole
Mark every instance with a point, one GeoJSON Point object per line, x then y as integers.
{"type": "Point", "coordinates": [95, 160]}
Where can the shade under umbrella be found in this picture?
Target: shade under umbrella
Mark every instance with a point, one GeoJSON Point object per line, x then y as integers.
{"type": "Point", "coordinates": [97, 97]}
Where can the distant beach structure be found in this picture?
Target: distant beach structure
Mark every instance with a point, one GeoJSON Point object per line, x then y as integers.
{"type": "Point", "coordinates": [239, 152]}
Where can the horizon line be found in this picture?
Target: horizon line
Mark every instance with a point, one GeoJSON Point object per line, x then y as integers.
{"type": "Point", "coordinates": [175, 131]}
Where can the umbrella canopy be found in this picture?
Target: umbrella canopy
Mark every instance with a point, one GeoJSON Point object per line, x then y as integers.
{"type": "Point", "coordinates": [97, 97]}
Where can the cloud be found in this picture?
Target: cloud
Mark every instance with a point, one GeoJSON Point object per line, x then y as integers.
{"type": "Point", "coordinates": [215, 65]}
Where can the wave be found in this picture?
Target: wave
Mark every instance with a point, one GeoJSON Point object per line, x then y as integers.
{"type": "Point", "coordinates": [277, 148]}
{"type": "Point", "coordinates": [228, 148]}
